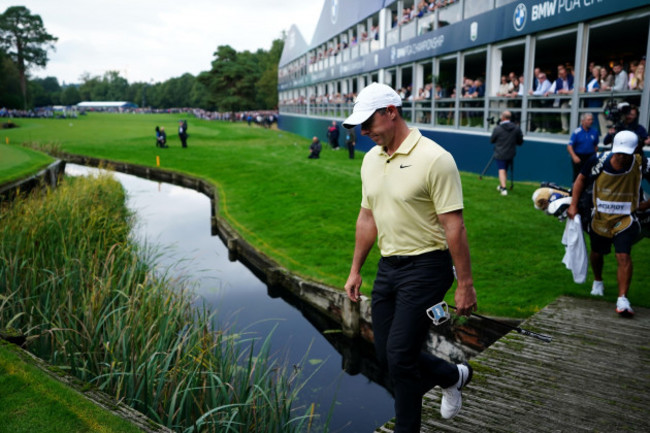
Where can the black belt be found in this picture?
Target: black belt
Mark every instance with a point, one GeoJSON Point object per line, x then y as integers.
{"type": "Point", "coordinates": [397, 261]}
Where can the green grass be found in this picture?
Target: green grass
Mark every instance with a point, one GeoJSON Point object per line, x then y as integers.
{"type": "Point", "coordinates": [302, 212]}
{"type": "Point", "coordinates": [31, 401]}
{"type": "Point", "coordinates": [17, 162]}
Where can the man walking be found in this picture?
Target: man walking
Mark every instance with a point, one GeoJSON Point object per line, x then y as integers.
{"type": "Point", "coordinates": [583, 143]}
{"type": "Point", "coordinates": [616, 177]}
{"type": "Point", "coordinates": [506, 137]}
{"type": "Point", "coordinates": [412, 204]}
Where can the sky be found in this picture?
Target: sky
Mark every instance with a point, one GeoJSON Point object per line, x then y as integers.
{"type": "Point", "coordinates": [154, 40]}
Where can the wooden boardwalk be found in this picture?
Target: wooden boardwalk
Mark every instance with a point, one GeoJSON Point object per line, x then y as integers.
{"type": "Point", "coordinates": [593, 377]}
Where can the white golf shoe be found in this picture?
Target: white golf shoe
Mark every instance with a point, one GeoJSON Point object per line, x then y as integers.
{"type": "Point", "coordinates": [452, 397]}
{"type": "Point", "coordinates": [597, 289]}
{"type": "Point", "coordinates": [623, 307]}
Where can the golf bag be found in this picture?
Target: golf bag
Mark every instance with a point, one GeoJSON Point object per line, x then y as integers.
{"type": "Point", "coordinates": [555, 200]}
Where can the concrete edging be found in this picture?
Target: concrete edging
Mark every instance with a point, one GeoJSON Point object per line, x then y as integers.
{"type": "Point", "coordinates": [451, 341]}
{"type": "Point", "coordinates": [48, 176]}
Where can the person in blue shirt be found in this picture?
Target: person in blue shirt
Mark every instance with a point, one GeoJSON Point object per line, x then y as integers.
{"type": "Point", "coordinates": [583, 143]}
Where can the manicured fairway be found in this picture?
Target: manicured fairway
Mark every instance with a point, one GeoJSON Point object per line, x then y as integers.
{"type": "Point", "coordinates": [302, 212]}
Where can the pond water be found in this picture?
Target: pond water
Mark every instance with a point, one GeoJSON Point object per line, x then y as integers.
{"type": "Point", "coordinates": [177, 221]}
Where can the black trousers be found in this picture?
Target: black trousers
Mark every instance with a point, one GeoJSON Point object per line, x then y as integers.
{"type": "Point", "coordinates": [404, 288]}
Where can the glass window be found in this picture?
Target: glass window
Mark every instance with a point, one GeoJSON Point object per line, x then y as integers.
{"type": "Point", "coordinates": [604, 53]}
{"type": "Point", "coordinates": [475, 7]}
{"type": "Point", "coordinates": [444, 92]}
{"type": "Point", "coordinates": [473, 90]}
{"type": "Point", "coordinates": [549, 106]}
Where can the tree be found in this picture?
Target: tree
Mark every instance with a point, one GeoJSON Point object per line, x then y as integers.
{"type": "Point", "coordinates": [267, 86]}
{"type": "Point", "coordinates": [232, 79]}
{"type": "Point", "coordinates": [45, 91]}
{"type": "Point", "coordinates": [26, 41]}
{"type": "Point", "coordinates": [9, 83]}
{"type": "Point", "coordinates": [70, 95]}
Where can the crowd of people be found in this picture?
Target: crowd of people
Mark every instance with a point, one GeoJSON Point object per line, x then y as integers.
{"type": "Point", "coordinates": [419, 10]}
{"type": "Point", "coordinates": [41, 112]}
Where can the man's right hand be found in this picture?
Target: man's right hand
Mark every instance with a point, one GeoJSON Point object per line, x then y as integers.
{"type": "Point", "coordinates": [353, 287]}
{"type": "Point", "coordinates": [572, 211]}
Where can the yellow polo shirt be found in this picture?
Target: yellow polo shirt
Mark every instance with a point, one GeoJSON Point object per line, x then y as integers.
{"type": "Point", "coordinates": [407, 191]}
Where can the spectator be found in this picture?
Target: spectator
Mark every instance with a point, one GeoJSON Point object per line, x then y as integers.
{"type": "Point", "coordinates": [616, 178]}
{"type": "Point", "coordinates": [315, 148]}
{"type": "Point", "coordinates": [440, 92]}
{"type": "Point", "coordinates": [333, 135]}
{"type": "Point", "coordinates": [583, 143]}
{"type": "Point", "coordinates": [477, 90]}
{"type": "Point", "coordinates": [536, 73]}
{"type": "Point", "coordinates": [516, 87]}
{"type": "Point", "coordinates": [620, 79]}
{"type": "Point", "coordinates": [543, 86]}
{"type": "Point", "coordinates": [606, 79]}
{"type": "Point", "coordinates": [563, 86]}
{"type": "Point", "coordinates": [631, 83]}
{"type": "Point", "coordinates": [506, 137]}
{"type": "Point", "coordinates": [505, 87]}
{"type": "Point", "coordinates": [636, 77]}
{"type": "Point", "coordinates": [593, 86]}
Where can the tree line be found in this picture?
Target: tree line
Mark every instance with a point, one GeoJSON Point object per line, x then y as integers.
{"type": "Point", "coordinates": [237, 81]}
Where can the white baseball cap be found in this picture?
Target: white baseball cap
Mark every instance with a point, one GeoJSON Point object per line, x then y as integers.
{"type": "Point", "coordinates": [625, 142]}
{"type": "Point", "coordinates": [369, 100]}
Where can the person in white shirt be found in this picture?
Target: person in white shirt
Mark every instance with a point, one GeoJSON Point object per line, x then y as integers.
{"type": "Point", "coordinates": [620, 79]}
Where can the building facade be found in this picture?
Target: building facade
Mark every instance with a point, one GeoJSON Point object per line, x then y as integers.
{"type": "Point", "coordinates": [459, 63]}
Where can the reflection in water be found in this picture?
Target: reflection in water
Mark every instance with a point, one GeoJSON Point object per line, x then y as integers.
{"type": "Point", "coordinates": [178, 220]}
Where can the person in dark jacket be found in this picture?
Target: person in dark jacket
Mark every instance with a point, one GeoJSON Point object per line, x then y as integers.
{"type": "Point", "coordinates": [333, 135]}
{"type": "Point", "coordinates": [182, 132]}
{"type": "Point", "coordinates": [315, 148]}
{"type": "Point", "coordinates": [506, 137]}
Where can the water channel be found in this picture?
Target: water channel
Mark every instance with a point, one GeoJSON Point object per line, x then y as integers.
{"type": "Point", "coordinates": [177, 221]}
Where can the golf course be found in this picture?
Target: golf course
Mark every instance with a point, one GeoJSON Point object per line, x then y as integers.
{"type": "Point", "coordinates": [302, 212]}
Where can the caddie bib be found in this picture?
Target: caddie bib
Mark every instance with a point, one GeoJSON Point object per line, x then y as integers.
{"type": "Point", "coordinates": [616, 197]}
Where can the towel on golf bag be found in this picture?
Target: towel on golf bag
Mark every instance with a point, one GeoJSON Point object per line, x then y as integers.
{"type": "Point", "coordinates": [575, 256]}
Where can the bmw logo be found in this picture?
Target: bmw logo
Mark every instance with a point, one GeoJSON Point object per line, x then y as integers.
{"type": "Point", "coordinates": [335, 10]}
{"type": "Point", "coordinates": [519, 18]}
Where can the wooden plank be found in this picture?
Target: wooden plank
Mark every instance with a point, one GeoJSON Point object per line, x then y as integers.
{"type": "Point", "coordinates": [592, 377]}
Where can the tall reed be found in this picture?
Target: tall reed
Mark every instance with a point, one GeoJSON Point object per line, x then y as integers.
{"type": "Point", "coordinates": [90, 302]}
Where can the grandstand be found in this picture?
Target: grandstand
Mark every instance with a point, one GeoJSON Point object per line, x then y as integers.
{"type": "Point", "coordinates": [432, 50]}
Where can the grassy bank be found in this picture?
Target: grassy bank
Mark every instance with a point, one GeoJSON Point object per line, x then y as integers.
{"type": "Point", "coordinates": [17, 162]}
{"type": "Point", "coordinates": [70, 279]}
{"type": "Point", "coordinates": [302, 212]}
{"type": "Point", "coordinates": [31, 401]}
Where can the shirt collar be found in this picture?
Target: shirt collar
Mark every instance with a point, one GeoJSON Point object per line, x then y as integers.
{"type": "Point", "coordinates": [407, 145]}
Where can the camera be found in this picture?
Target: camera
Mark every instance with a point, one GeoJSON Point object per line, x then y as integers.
{"type": "Point", "coordinates": [492, 120]}
{"type": "Point", "coordinates": [614, 112]}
